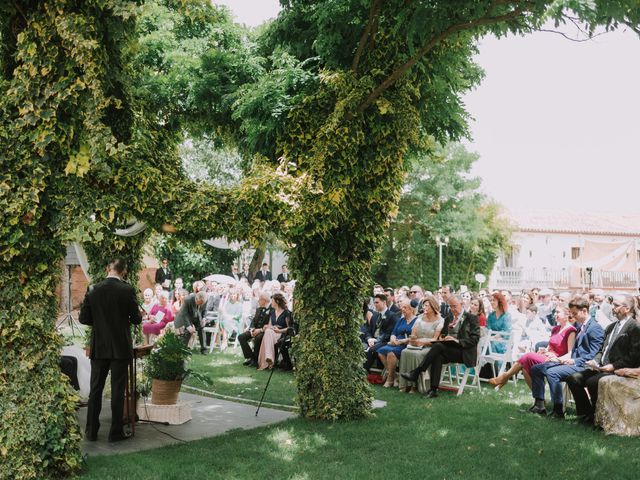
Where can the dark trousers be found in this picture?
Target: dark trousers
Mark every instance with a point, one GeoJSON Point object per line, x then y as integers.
{"type": "Point", "coordinates": [244, 339]}
{"type": "Point", "coordinates": [186, 336]}
{"type": "Point", "coordinates": [439, 354]}
{"type": "Point", "coordinates": [99, 371]}
{"type": "Point", "coordinates": [372, 355]}
{"type": "Point", "coordinates": [585, 404]}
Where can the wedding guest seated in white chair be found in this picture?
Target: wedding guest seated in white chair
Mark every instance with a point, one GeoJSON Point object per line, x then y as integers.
{"type": "Point", "coordinates": [158, 317]}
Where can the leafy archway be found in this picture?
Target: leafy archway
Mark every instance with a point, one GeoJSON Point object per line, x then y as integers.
{"type": "Point", "coordinates": [76, 142]}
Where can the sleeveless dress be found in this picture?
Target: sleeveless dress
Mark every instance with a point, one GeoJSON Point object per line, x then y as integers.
{"type": "Point", "coordinates": [412, 357]}
{"type": "Point", "coordinates": [558, 341]}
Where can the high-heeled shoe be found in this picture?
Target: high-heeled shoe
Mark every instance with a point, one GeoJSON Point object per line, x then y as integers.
{"type": "Point", "coordinates": [498, 383]}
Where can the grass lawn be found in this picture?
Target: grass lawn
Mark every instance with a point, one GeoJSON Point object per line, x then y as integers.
{"type": "Point", "coordinates": [482, 436]}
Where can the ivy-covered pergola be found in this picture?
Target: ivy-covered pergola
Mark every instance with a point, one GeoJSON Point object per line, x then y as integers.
{"type": "Point", "coordinates": [81, 152]}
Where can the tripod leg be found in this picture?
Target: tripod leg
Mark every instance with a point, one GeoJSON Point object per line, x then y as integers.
{"type": "Point", "coordinates": [265, 390]}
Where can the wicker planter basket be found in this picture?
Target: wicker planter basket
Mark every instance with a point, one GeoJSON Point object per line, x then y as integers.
{"type": "Point", "coordinates": [165, 392]}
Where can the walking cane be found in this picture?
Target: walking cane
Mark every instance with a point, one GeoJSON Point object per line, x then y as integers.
{"type": "Point", "coordinates": [265, 390]}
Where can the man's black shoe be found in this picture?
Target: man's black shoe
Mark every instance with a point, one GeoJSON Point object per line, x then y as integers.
{"type": "Point", "coordinates": [246, 363]}
{"type": "Point", "coordinates": [556, 415]}
{"type": "Point", "coordinates": [585, 420]}
{"type": "Point", "coordinates": [90, 438]}
{"type": "Point", "coordinates": [432, 393]}
{"type": "Point", "coordinates": [538, 410]}
{"type": "Point", "coordinates": [411, 376]}
{"type": "Point", "coordinates": [203, 352]}
{"type": "Point", "coordinates": [120, 438]}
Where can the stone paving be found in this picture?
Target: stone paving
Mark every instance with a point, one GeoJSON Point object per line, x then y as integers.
{"type": "Point", "coordinates": [211, 417]}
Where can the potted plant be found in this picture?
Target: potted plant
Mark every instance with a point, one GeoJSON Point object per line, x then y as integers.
{"type": "Point", "coordinates": [166, 366]}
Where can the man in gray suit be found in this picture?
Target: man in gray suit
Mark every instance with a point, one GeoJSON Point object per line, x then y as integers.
{"type": "Point", "coordinates": [189, 316]}
{"type": "Point", "coordinates": [460, 345]}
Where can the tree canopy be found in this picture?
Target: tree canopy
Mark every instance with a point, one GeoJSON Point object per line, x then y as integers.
{"type": "Point", "coordinates": [440, 197]}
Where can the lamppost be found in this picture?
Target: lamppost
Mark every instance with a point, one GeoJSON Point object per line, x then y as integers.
{"type": "Point", "coordinates": [440, 242]}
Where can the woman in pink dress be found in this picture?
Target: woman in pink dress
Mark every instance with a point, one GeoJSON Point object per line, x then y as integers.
{"type": "Point", "coordinates": [563, 336]}
{"type": "Point", "coordinates": [158, 317]}
{"type": "Point", "coordinates": [280, 321]}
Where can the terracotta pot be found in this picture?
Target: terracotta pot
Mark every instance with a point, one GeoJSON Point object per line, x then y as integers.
{"type": "Point", "coordinates": [165, 392]}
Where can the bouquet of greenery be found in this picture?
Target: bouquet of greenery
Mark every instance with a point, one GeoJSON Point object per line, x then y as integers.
{"type": "Point", "coordinates": [169, 360]}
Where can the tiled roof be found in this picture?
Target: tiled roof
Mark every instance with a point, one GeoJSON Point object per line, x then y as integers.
{"type": "Point", "coordinates": [561, 221]}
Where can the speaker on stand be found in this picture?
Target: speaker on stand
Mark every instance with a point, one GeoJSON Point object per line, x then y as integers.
{"type": "Point", "coordinates": [70, 261]}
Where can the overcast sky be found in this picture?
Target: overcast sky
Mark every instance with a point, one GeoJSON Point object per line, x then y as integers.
{"type": "Point", "coordinates": [556, 122]}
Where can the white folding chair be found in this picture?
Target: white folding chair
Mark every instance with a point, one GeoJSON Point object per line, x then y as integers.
{"type": "Point", "coordinates": [490, 355]}
{"type": "Point", "coordinates": [214, 330]}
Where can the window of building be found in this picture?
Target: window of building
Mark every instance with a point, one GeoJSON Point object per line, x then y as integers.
{"type": "Point", "coordinates": [575, 253]}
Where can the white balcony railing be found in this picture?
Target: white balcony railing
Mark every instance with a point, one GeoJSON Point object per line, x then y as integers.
{"type": "Point", "coordinates": [526, 278]}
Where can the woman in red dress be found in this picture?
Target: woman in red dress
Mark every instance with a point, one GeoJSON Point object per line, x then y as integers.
{"type": "Point", "coordinates": [563, 336]}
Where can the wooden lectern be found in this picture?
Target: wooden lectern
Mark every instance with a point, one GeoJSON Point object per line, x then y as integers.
{"type": "Point", "coordinates": [130, 415]}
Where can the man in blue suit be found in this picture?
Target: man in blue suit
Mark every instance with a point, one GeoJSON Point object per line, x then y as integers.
{"type": "Point", "coordinates": [588, 343]}
{"type": "Point", "coordinates": [377, 331]}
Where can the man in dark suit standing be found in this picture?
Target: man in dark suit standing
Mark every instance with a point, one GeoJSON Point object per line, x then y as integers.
{"type": "Point", "coordinates": [263, 274]}
{"type": "Point", "coordinates": [234, 273]}
{"type": "Point", "coordinates": [245, 273]}
{"type": "Point", "coordinates": [164, 275]}
{"type": "Point", "coordinates": [110, 308]}
{"type": "Point", "coordinates": [189, 318]}
{"type": "Point", "coordinates": [284, 276]}
{"type": "Point", "coordinates": [621, 349]}
{"type": "Point", "coordinates": [377, 331]}
{"type": "Point", "coordinates": [459, 346]}
{"type": "Point", "coordinates": [255, 331]}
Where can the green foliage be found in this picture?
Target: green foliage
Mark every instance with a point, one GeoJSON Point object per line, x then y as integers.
{"type": "Point", "coordinates": [169, 360]}
{"type": "Point", "coordinates": [193, 261]}
{"type": "Point", "coordinates": [441, 198]}
{"type": "Point", "coordinates": [189, 63]}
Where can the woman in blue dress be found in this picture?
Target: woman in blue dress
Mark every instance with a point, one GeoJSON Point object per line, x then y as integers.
{"type": "Point", "coordinates": [390, 353]}
{"type": "Point", "coordinates": [499, 321]}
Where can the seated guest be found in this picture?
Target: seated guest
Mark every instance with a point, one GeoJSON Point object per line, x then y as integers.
{"type": "Point", "coordinates": [476, 307]}
{"type": "Point", "coordinates": [392, 306]}
{"type": "Point", "coordinates": [148, 301]}
{"type": "Point", "coordinates": [588, 343]}
{"type": "Point", "coordinates": [499, 320]}
{"type": "Point", "coordinates": [367, 315]}
{"type": "Point", "coordinates": [426, 329]}
{"type": "Point", "coordinates": [279, 321]}
{"type": "Point", "coordinates": [255, 331]}
{"type": "Point", "coordinates": [178, 300]}
{"type": "Point", "coordinates": [562, 339]}
{"type": "Point", "coordinates": [534, 330]}
{"type": "Point", "coordinates": [459, 346]}
{"type": "Point", "coordinates": [158, 317]}
{"type": "Point", "coordinates": [620, 349]}
{"type": "Point", "coordinates": [378, 329]}
{"type": "Point", "coordinates": [231, 316]}
{"type": "Point", "coordinates": [618, 408]}
{"type": "Point", "coordinates": [390, 353]}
